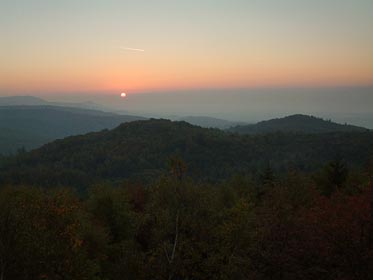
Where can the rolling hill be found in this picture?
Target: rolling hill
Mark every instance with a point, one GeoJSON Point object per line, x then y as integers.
{"type": "Point", "coordinates": [210, 122]}
{"type": "Point", "coordinates": [142, 149]}
{"type": "Point", "coordinates": [22, 101]}
{"type": "Point", "coordinates": [32, 126]}
{"type": "Point", "coordinates": [37, 101]}
{"type": "Point", "coordinates": [296, 123]}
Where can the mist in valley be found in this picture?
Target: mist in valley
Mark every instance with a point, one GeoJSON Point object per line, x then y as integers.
{"type": "Point", "coordinates": [341, 104]}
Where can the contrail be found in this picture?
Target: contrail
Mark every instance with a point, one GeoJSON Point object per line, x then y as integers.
{"type": "Point", "coordinates": [131, 49]}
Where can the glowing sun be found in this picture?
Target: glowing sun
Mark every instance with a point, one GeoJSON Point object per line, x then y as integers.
{"type": "Point", "coordinates": [123, 94]}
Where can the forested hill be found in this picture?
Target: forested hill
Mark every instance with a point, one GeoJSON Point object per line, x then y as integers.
{"type": "Point", "coordinates": [296, 123]}
{"type": "Point", "coordinates": [142, 149]}
{"type": "Point", "coordinates": [32, 126]}
{"type": "Point", "coordinates": [210, 122]}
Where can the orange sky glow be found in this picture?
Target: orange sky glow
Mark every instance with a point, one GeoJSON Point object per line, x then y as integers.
{"type": "Point", "coordinates": [137, 46]}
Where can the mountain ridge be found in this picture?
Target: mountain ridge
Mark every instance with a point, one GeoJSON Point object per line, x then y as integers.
{"type": "Point", "coordinates": [297, 123]}
{"type": "Point", "coordinates": [141, 150]}
{"type": "Point", "coordinates": [32, 126]}
{"type": "Point", "coordinates": [29, 100]}
{"type": "Point", "coordinates": [210, 122]}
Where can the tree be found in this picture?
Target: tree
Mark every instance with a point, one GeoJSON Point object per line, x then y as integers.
{"type": "Point", "coordinates": [109, 208]}
{"type": "Point", "coordinates": [267, 176]}
{"type": "Point", "coordinates": [41, 236]}
{"type": "Point", "coordinates": [336, 173]}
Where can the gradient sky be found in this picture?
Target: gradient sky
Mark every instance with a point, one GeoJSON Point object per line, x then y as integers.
{"type": "Point", "coordinates": [77, 45]}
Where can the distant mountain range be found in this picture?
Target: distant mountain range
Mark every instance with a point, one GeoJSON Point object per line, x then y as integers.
{"type": "Point", "coordinates": [36, 101]}
{"type": "Point", "coordinates": [296, 124]}
{"type": "Point", "coordinates": [32, 126]}
{"type": "Point", "coordinates": [210, 122]}
{"type": "Point", "coordinates": [29, 122]}
{"type": "Point", "coordinates": [142, 149]}
{"type": "Point", "coordinates": [203, 121]}
{"type": "Point", "coordinates": [21, 100]}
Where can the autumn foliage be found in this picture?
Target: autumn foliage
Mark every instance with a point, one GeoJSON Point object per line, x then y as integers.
{"type": "Point", "coordinates": [284, 227]}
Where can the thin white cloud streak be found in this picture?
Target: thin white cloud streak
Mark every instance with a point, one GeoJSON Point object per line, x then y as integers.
{"type": "Point", "coordinates": [131, 49]}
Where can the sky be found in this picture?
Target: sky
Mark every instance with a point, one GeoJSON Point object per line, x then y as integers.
{"type": "Point", "coordinates": [82, 46]}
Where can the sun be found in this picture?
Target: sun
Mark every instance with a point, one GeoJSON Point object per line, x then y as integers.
{"type": "Point", "coordinates": [123, 94]}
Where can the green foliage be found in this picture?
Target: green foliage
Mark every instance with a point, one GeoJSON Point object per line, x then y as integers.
{"type": "Point", "coordinates": [333, 177]}
{"type": "Point", "coordinates": [267, 176]}
{"type": "Point", "coordinates": [296, 124]}
{"type": "Point", "coordinates": [280, 222]}
{"type": "Point", "coordinates": [181, 229]}
{"type": "Point", "coordinates": [110, 211]}
{"type": "Point", "coordinates": [337, 173]}
{"type": "Point", "coordinates": [139, 151]}
{"type": "Point", "coordinates": [41, 236]}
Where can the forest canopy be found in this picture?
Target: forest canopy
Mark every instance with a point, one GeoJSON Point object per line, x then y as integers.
{"type": "Point", "coordinates": [141, 151]}
{"type": "Point", "coordinates": [167, 200]}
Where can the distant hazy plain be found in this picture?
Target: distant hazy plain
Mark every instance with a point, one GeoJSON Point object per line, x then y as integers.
{"type": "Point", "coordinates": [344, 104]}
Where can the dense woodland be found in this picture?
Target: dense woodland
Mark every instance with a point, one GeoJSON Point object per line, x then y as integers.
{"type": "Point", "coordinates": [140, 150]}
{"type": "Point", "coordinates": [296, 123]}
{"type": "Point", "coordinates": [213, 205]}
{"type": "Point", "coordinates": [30, 127]}
{"type": "Point", "coordinates": [291, 226]}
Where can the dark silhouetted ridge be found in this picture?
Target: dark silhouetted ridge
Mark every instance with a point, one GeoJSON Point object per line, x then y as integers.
{"type": "Point", "coordinates": [32, 126]}
{"type": "Point", "coordinates": [298, 124]}
{"type": "Point", "coordinates": [141, 150]}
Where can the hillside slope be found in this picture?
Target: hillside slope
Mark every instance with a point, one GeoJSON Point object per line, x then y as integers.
{"type": "Point", "coordinates": [142, 149]}
{"type": "Point", "coordinates": [296, 123]}
{"type": "Point", "coordinates": [210, 122]}
{"type": "Point", "coordinates": [22, 101]}
{"type": "Point", "coordinates": [32, 126]}
{"type": "Point", "coordinates": [28, 100]}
